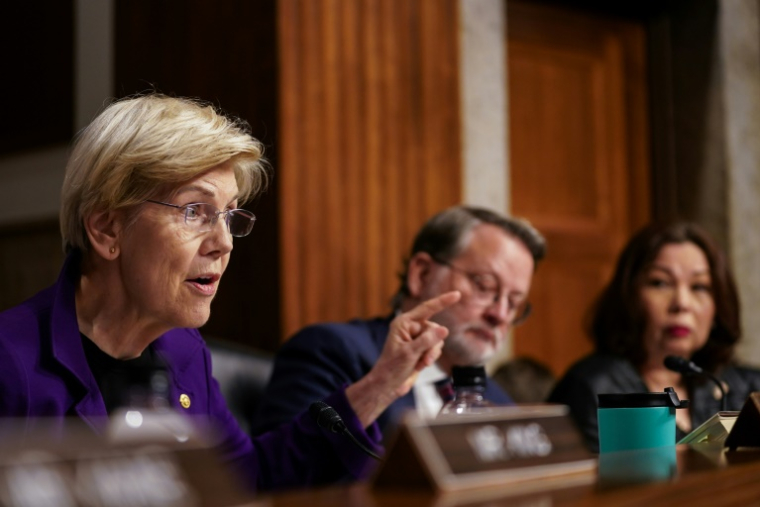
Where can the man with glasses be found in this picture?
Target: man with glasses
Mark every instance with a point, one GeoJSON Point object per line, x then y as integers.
{"type": "Point", "coordinates": [490, 258]}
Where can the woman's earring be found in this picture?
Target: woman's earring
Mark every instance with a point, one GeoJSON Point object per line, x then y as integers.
{"type": "Point", "coordinates": [112, 249]}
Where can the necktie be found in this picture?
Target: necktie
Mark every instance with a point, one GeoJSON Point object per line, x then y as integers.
{"type": "Point", "coordinates": [445, 389]}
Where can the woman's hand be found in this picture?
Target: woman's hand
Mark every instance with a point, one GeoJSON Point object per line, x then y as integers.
{"type": "Point", "coordinates": [413, 343]}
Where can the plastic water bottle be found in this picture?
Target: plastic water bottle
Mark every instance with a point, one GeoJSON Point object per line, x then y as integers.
{"type": "Point", "coordinates": [469, 387]}
{"type": "Point", "coordinates": [144, 412]}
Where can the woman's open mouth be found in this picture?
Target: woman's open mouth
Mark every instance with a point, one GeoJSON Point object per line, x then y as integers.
{"type": "Point", "coordinates": [205, 284]}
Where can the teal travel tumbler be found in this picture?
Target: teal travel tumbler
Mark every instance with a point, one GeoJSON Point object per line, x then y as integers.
{"type": "Point", "coordinates": [637, 420]}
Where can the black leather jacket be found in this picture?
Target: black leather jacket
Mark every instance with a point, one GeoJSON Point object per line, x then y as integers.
{"type": "Point", "coordinates": [602, 373]}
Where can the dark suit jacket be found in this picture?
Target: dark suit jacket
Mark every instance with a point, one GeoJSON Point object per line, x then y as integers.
{"type": "Point", "coordinates": [603, 373]}
{"type": "Point", "coordinates": [320, 359]}
{"type": "Point", "coordinates": [45, 374]}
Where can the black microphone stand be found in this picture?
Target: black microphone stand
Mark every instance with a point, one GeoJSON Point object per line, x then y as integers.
{"type": "Point", "coordinates": [329, 419]}
{"type": "Point", "coordinates": [686, 367]}
{"type": "Point", "coordinates": [720, 386]}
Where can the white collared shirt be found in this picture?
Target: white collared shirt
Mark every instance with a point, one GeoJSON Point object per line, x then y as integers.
{"type": "Point", "coordinates": [426, 398]}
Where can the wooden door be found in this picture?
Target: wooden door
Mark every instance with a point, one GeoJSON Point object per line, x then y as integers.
{"type": "Point", "coordinates": [579, 160]}
{"type": "Point", "coordinates": [369, 147]}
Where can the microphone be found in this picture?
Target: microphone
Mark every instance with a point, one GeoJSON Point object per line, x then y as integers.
{"type": "Point", "coordinates": [328, 418]}
{"type": "Point", "coordinates": [686, 367]}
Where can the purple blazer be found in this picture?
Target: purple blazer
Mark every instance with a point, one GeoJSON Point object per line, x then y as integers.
{"type": "Point", "coordinates": [45, 374]}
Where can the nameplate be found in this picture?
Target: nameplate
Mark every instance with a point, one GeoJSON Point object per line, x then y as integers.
{"type": "Point", "coordinates": [746, 430]}
{"type": "Point", "coordinates": [505, 447]}
{"type": "Point", "coordinates": [77, 467]}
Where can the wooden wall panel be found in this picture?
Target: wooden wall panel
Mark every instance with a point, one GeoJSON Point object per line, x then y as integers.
{"type": "Point", "coordinates": [37, 61]}
{"type": "Point", "coordinates": [579, 160]}
{"type": "Point", "coordinates": [31, 257]}
{"type": "Point", "coordinates": [225, 53]}
{"type": "Point", "coordinates": [369, 146]}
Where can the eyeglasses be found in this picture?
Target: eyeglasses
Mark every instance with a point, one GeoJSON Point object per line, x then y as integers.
{"type": "Point", "coordinates": [202, 217]}
{"type": "Point", "coordinates": [487, 291]}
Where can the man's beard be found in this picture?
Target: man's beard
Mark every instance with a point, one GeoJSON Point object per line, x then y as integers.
{"type": "Point", "coordinates": [463, 350]}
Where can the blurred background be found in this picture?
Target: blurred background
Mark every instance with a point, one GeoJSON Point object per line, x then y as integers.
{"type": "Point", "coordinates": [589, 118]}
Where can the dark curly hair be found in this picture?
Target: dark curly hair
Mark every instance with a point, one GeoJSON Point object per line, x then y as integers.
{"type": "Point", "coordinates": [617, 322]}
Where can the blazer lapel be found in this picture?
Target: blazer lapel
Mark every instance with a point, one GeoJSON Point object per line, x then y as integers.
{"type": "Point", "coordinates": [180, 361]}
{"type": "Point", "coordinates": [66, 347]}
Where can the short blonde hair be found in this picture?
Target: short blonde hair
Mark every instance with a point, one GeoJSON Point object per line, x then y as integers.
{"type": "Point", "coordinates": [141, 145]}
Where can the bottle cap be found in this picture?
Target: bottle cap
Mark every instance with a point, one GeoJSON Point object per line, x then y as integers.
{"type": "Point", "coordinates": [468, 376]}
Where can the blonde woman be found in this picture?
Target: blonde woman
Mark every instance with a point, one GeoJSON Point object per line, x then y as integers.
{"type": "Point", "coordinates": [150, 206]}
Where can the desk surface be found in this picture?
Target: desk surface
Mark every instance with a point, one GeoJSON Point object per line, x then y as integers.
{"type": "Point", "coordinates": [704, 477]}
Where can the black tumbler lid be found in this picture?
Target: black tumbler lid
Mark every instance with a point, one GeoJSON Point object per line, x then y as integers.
{"type": "Point", "coordinates": [669, 398]}
{"type": "Point", "coordinates": [468, 376]}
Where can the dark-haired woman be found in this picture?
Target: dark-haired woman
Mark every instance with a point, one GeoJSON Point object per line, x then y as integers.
{"type": "Point", "coordinates": [672, 293]}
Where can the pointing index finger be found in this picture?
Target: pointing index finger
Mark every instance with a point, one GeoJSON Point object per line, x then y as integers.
{"type": "Point", "coordinates": [430, 307]}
